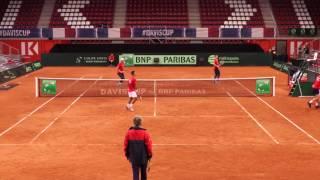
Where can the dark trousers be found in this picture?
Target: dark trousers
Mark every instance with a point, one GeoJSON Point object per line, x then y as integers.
{"type": "Point", "coordinates": [216, 73]}
{"type": "Point", "coordinates": [121, 76]}
{"type": "Point", "coordinates": [142, 169]}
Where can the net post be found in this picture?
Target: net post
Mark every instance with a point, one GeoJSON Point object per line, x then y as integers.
{"type": "Point", "coordinates": [274, 86]}
{"type": "Point", "coordinates": [37, 86]}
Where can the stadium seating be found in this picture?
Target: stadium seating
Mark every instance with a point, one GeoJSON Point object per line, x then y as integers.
{"type": "Point", "coordinates": [215, 14]}
{"type": "Point", "coordinates": [294, 14]}
{"type": "Point", "coordinates": [313, 7]}
{"type": "Point", "coordinates": [157, 13]}
{"type": "Point", "coordinates": [83, 13]}
{"type": "Point", "coordinates": [20, 14]}
{"type": "Point", "coordinates": [230, 13]}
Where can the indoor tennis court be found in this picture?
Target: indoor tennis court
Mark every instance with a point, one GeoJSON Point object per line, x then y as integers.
{"type": "Point", "coordinates": [214, 137]}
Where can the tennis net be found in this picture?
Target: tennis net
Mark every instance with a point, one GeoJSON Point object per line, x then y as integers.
{"type": "Point", "coordinates": [237, 87]}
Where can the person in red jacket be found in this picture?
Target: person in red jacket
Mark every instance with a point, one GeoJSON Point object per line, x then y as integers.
{"type": "Point", "coordinates": [138, 148]}
{"type": "Point", "coordinates": [132, 92]}
{"type": "Point", "coordinates": [316, 99]}
{"type": "Point", "coordinates": [216, 66]}
{"type": "Point", "coordinates": [120, 70]}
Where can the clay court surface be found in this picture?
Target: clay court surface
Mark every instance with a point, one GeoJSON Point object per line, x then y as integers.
{"type": "Point", "coordinates": [195, 138]}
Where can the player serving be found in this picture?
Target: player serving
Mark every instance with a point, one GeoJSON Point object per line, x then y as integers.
{"type": "Point", "coordinates": [216, 66]}
{"type": "Point", "coordinates": [120, 70]}
{"type": "Point", "coordinates": [132, 91]}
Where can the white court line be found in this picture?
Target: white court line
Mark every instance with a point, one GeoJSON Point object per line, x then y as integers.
{"type": "Point", "coordinates": [158, 144]}
{"type": "Point", "coordinates": [155, 99]}
{"type": "Point", "coordinates": [34, 111]}
{"type": "Point", "coordinates": [253, 118]}
{"type": "Point", "coordinates": [155, 107]}
{"type": "Point", "coordinates": [65, 110]}
{"type": "Point", "coordinates": [196, 116]}
{"type": "Point", "coordinates": [282, 115]}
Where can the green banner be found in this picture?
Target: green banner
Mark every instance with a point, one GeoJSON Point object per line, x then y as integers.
{"type": "Point", "coordinates": [225, 59]}
{"type": "Point", "coordinates": [36, 65]}
{"type": "Point", "coordinates": [28, 68]}
{"type": "Point", "coordinates": [49, 87]}
{"type": "Point", "coordinates": [135, 59]}
{"type": "Point", "coordinates": [128, 59]}
{"type": "Point", "coordinates": [263, 86]}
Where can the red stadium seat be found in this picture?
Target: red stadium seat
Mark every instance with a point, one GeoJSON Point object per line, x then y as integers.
{"type": "Point", "coordinates": [167, 13]}
{"type": "Point", "coordinates": [83, 14]}
{"type": "Point", "coordinates": [230, 14]}
{"type": "Point", "coordinates": [20, 14]}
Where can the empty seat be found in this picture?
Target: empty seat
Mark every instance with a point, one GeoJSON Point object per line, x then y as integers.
{"type": "Point", "coordinates": [82, 13]}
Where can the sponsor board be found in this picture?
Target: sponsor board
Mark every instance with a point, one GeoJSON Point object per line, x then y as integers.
{"type": "Point", "coordinates": [111, 92]}
{"type": "Point", "coordinates": [135, 59]}
{"type": "Point", "coordinates": [225, 59]}
{"type": "Point", "coordinates": [49, 87]}
{"type": "Point", "coordinates": [263, 86]}
{"type": "Point", "coordinates": [77, 59]}
{"type": "Point", "coordinates": [158, 32]}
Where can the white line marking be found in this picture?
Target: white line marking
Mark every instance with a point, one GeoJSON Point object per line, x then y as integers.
{"type": "Point", "coordinates": [155, 98]}
{"type": "Point", "coordinates": [159, 144]}
{"type": "Point", "coordinates": [282, 115]}
{"type": "Point", "coordinates": [253, 118]}
{"type": "Point", "coordinates": [34, 111]}
{"type": "Point", "coordinates": [155, 107]}
{"type": "Point", "coordinates": [196, 116]}
{"type": "Point", "coordinates": [187, 79]}
{"type": "Point", "coordinates": [156, 144]}
{"type": "Point", "coordinates": [65, 110]}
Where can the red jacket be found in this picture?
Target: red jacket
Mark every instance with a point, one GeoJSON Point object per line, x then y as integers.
{"type": "Point", "coordinates": [138, 146]}
{"type": "Point", "coordinates": [316, 84]}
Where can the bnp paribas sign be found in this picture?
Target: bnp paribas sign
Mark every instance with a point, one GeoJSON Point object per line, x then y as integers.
{"type": "Point", "coordinates": [134, 59]}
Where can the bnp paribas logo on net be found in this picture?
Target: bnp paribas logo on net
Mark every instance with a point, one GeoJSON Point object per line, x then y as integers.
{"type": "Point", "coordinates": [49, 87]}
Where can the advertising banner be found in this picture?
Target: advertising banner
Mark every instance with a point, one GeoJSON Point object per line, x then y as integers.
{"type": "Point", "coordinates": [36, 65]}
{"type": "Point", "coordinates": [238, 59]}
{"type": "Point", "coordinates": [20, 33]}
{"type": "Point", "coordinates": [135, 59]}
{"type": "Point", "coordinates": [229, 32]}
{"type": "Point", "coordinates": [225, 60]}
{"type": "Point", "coordinates": [263, 86]}
{"type": "Point", "coordinates": [128, 59]}
{"type": "Point", "coordinates": [49, 87]}
{"type": "Point", "coordinates": [158, 32]}
{"type": "Point", "coordinates": [78, 59]}
{"type": "Point", "coordinates": [86, 33]}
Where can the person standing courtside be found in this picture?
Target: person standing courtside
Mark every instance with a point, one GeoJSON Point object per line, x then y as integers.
{"type": "Point", "coordinates": [120, 70]}
{"type": "Point", "coordinates": [138, 148]}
